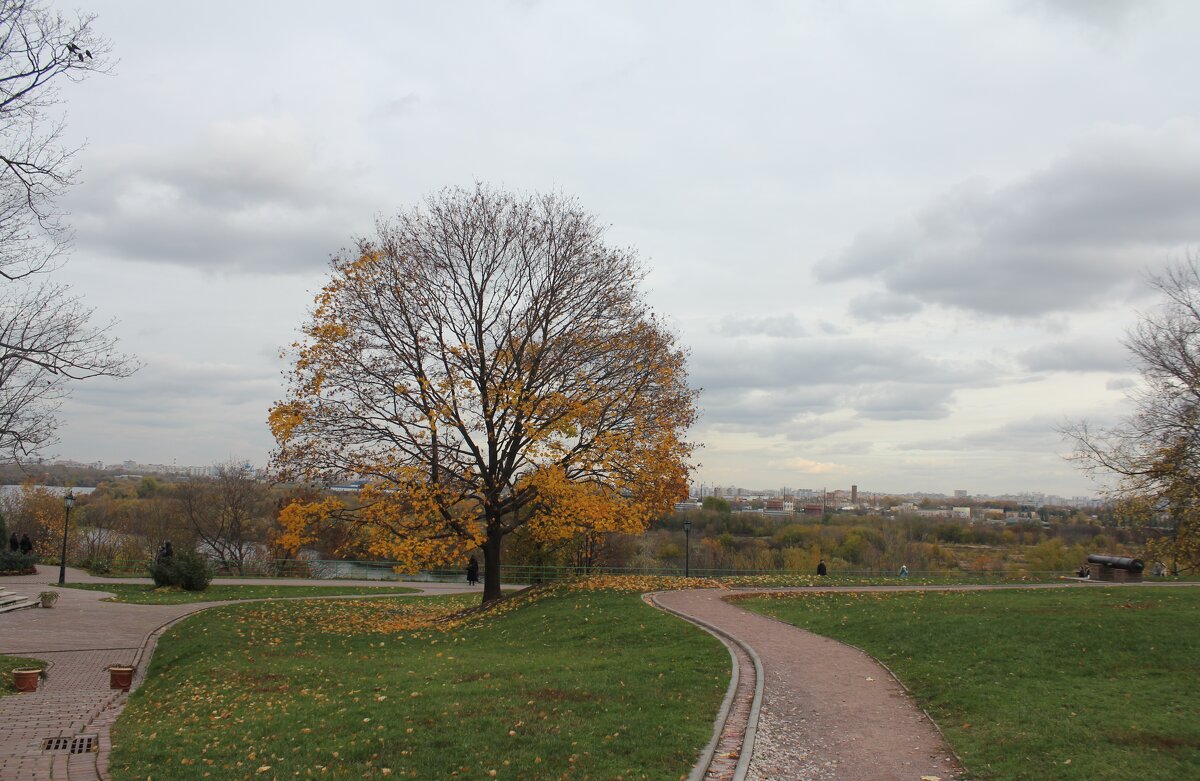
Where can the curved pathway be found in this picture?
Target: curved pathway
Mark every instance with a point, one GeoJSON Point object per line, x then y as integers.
{"type": "Point", "coordinates": [828, 711]}
{"type": "Point", "coordinates": [80, 638]}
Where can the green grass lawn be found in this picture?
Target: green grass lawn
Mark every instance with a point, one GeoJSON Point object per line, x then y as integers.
{"type": "Point", "coordinates": [1091, 683]}
{"type": "Point", "coordinates": [572, 684]}
{"type": "Point", "coordinates": [10, 663]}
{"type": "Point", "coordinates": [142, 594]}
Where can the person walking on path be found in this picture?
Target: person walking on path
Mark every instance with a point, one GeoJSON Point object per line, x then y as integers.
{"type": "Point", "coordinates": [904, 570]}
{"type": "Point", "coordinates": [822, 570]}
{"type": "Point", "coordinates": [26, 545]}
{"type": "Point", "coordinates": [473, 571]}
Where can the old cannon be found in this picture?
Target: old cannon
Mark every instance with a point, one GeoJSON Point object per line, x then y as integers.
{"type": "Point", "coordinates": [1120, 569]}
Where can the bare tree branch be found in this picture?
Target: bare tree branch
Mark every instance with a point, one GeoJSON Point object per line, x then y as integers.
{"type": "Point", "coordinates": [46, 339]}
{"type": "Point", "coordinates": [39, 49]}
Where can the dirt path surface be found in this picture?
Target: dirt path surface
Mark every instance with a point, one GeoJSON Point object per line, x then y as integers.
{"type": "Point", "coordinates": [829, 711]}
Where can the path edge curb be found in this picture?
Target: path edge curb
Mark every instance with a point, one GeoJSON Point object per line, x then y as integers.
{"type": "Point", "coordinates": [747, 752]}
{"type": "Point", "coordinates": [961, 766]}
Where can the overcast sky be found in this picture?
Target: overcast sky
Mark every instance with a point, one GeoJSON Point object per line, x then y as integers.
{"type": "Point", "coordinates": [902, 241]}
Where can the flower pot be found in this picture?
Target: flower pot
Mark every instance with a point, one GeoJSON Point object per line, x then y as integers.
{"type": "Point", "coordinates": [49, 601]}
{"type": "Point", "coordinates": [120, 677]}
{"type": "Point", "coordinates": [27, 679]}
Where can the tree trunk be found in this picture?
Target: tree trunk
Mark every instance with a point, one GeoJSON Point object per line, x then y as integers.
{"type": "Point", "coordinates": [491, 566]}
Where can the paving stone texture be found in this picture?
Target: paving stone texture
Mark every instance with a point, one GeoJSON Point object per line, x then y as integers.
{"type": "Point", "coordinates": [79, 638]}
{"type": "Point", "coordinates": [828, 710]}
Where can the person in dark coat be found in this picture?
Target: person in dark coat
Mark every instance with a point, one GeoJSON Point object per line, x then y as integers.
{"type": "Point", "coordinates": [472, 571]}
{"type": "Point", "coordinates": [12, 542]}
{"type": "Point", "coordinates": [26, 545]}
{"type": "Point", "coordinates": [822, 570]}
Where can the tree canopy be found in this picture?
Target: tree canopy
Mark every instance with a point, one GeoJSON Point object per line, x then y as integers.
{"type": "Point", "coordinates": [486, 362]}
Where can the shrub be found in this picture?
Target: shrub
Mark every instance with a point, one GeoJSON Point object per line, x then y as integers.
{"type": "Point", "coordinates": [17, 563]}
{"type": "Point", "coordinates": [98, 565]}
{"type": "Point", "coordinates": [187, 570]}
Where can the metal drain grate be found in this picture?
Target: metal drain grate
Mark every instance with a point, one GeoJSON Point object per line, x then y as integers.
{"type": "Point", "coordinates": [80, 744]}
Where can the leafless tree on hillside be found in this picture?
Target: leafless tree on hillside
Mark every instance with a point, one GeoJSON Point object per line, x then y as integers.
{"type": "Point", "coordinates": [46, 338]}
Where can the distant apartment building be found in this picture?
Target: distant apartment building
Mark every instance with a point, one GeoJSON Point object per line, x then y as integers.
{"type": "Point", "coordinates": [779, 507]}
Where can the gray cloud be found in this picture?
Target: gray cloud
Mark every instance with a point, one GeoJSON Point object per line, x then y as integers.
{"type": "Point", "coordinates": [899, 401]}
{"type": "Point", "coordinates": [1034, 435]}
{"type": "Point", "coordinates": [1079, 355]}
{"type": "Point", "coordinates": [168, 387]}
{"type": "Point", "coordinates": [747, 407]}
{"type": "Point", "coordinates": [1062, 239]}
{"type": "Point", "coordinates": [882, 306]}
{"type": "Point", "coordinates": [808, 389]}
{"type": "Point", "coordinates": [395, 108]}
{"type": "Point", "coordinates": [1105, 15]}
{"type": "Point", "coordinates": [156, 413]}
{"type": "Point", "coordinates": [251, 196]}
{"type": "Point", "coordinates": [822, 361]}
{"type": "Point", "coordinates": [1119, 383]}
{"type": "Point", "coordinates": [785, 326]}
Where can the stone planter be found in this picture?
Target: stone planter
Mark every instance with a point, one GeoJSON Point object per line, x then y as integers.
{"type": "Point", "coordinates": [120, 677]}
{"type": "Point", "coordinates": [27, 679]}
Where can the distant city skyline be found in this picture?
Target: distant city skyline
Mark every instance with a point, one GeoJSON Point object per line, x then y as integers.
{"type": "Point", "coordinates": [695, 489]}
{"type": "Point", "coordinates": [901, 241]}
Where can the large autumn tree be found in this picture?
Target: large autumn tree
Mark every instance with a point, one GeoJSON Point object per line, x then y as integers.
{"type": "Point", "coordinates": [486, 362]}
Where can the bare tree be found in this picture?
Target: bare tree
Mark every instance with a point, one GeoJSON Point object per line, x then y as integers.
{"type": "Point", "coordinates": [228, 513]}
{"type": "Point", "coordinates": [39, 49]}
{"type": "Point", "coordinates": [1155, 451]}
{"type": "Point", "coordinates": [46, 338]}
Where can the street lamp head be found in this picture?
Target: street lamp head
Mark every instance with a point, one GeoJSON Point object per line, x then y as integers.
{"type": "Point", "coordinates": [69, 499]}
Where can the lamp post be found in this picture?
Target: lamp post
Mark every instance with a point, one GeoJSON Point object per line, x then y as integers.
{"type": "Point", "coordinates": [69, 502]}
{"type": "Point", "coordinates": [687, 549]}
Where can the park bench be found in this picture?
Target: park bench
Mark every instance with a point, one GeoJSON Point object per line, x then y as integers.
{"type": "Point", "coordinates": [1119, 569]}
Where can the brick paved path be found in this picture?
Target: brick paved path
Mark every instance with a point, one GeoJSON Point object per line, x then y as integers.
{"type": "Point", "coordinates": [79, 638]}
{"type": "Point", "coordinates": [828, 711]}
